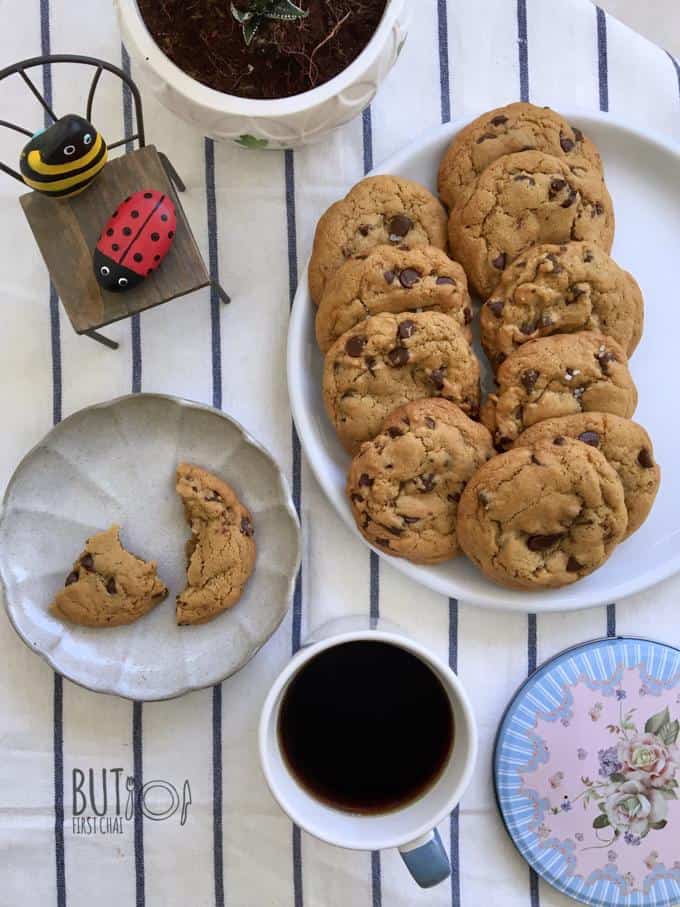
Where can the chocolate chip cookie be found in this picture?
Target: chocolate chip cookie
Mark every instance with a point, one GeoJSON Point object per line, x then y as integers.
{"type": "Point", "coordinates": [507, 130]}
{"type": "Point", "coordinates": [522, 199]}
{"type": "Point", "coordinates": [542, 516]}
{"type": "Point", "coordinates": [221, 550]}
{"type": "Point", "coordinates": [392, 279]}
{"type": "Point", "coordinates": [377, 211]}
{"type": "Point", "coordinates": [626, 446]}
{"type": "Point", "coordinates": [388, 360]}
{"type": "Point", "coordinates": [108, 586]}
{"type": "Point", "coordinates": [404, 486]}
{"type": "Point", "coordinates": [558, 376]}
{"type": "Point", "coordinates": [558, 290]}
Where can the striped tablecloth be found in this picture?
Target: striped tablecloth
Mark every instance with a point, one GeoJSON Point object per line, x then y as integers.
{"type": "Point", "coordinates": [254, 215]}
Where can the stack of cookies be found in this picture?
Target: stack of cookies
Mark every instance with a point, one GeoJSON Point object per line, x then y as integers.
{"type": "Point", "coordinates": [542, 489]}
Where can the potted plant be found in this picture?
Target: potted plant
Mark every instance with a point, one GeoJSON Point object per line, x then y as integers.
{"type": "Point", "coordinates": [264, 73]}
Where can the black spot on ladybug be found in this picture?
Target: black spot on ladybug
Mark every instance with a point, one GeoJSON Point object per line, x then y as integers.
{"type": "Point", "coordinates": [127, 231]}
{"type": "Point", "coordinates": [164, 217]}
{"type": "Point", "coordinates": [115, 247]}
{"type": "Point", "coordinates": [148, 195]}
{"type": "Point", "coordinates": [171, 234]}
{"type": "Point", "coordinates": [134, 213]}
{"type": "Point", "coordinates": [109, 232]}
{"type": "Point", "coordinates": [156, 258]}
{"type": "Point", "coordinates": [138, 256]}
{"type": "Point", "coordinates": [155, 237]}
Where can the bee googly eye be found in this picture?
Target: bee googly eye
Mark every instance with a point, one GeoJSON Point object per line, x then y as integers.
{"type": "Point", "coordinates": [104, 271]}
{"type": "Point", "coordinates": [122, 281]}
{"type": "Point", "coordinates": [69, 150]}
{"type": "Point", "coordinates": [87, 139]}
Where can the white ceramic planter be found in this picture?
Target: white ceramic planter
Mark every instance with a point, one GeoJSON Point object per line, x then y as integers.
{"type": "Point", "coordinates": [283, 123]}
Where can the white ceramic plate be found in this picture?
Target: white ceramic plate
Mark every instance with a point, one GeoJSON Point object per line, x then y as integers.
{"type": "Point", "coordinates": [115, 463]}
{"type": "Point", "coordinates": [642, 175]}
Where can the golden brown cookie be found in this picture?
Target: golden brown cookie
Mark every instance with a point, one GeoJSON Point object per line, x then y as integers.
{"type": "Point", "coordinates": [542, 516]}
{"type": "Point", "coordinates": [221, 550]}
{"type": "Point", "coordinates": [523, 199]}
{"type": "Point", "coordinates": [392, 279]}
{"type": "Point", "coordinates": [388, 360]}
{"type": "Point", "coordinates": [378, 210]}
{"type": "Point", "coordinates": [559, 290]}
{"type": "Point", "coordinates": [626, 446]}
{"type": "Point", "coordinates": [558, 376]}
{"type": "Point", "coordinates": [108, 586]}
{"type": "Point", "coordinates": [405, 484]}
{"type": "Point", "coordinates": [507, 130]}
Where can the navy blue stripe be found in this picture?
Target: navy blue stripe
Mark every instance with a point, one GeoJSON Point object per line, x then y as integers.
{"type": "Point", "coordinates": [454, 851]}
{"type": "Point", "coordinates": [532, 644]}
{"type": "Point", "coordinates": [137, 770]}
{"type": "Point", "coordinates": [216, 345]}
{"type": "Point", "coordinates": [444, 84]}
{"type": "Point", "coordinates": [218, 861]}
{"type": "Point", "coordinates": [135, 321]}
{"type": "Point", "coordinates": [296, 632]}
{"type": "Point", "coordinates": [602, 66]}
{"type": "Point", "coordinates": [611, 620]}
{"type": "Point", "coordinates": [534, 896]}
{"type": "Point", "coordinates": [368, 139]}
{"type": "Point", "coordinates": [58, 686]}
{"type": "Point", "coordinates": [376, 879]}
{"type": "Point", "coordinates": [523, 49]}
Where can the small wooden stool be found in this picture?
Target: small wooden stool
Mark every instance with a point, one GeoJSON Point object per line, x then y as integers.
{"type": "Point", "coordinates": [67, 231]}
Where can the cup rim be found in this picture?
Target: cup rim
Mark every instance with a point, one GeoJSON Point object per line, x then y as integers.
{"type": "Point", "coordinates": [257, 108]}
{"type": "Point", "coordinates": [307, 653]}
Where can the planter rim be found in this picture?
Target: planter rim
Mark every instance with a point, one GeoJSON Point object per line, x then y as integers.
{"type": "Point", "coordinates": [198, 93]}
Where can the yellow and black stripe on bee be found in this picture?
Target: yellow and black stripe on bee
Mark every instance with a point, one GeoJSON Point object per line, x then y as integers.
{"type": "Point", "coordinates": [64, 158]}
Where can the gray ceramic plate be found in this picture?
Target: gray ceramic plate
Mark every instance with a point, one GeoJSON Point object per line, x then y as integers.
{"type": "Point", "coordinates": [115, 463]}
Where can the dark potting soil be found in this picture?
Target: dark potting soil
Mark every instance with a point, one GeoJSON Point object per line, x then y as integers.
{"type": "Point", "coordinates": [285, 57]}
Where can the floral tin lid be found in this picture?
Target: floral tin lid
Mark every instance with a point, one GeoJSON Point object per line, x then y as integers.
{"type": "Point", "coordinates": [587, 772]}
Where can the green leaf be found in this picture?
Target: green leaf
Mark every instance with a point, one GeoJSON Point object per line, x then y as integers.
{"type": "Point", "coordinates": [656, 722]}
{"type": "Point", "coordinates": [250, 29]}
{"type": "Point", "coordinates": [241, 15]}
{"type": "Point", "coordinates": [602, 807]}
{"type": "Point", "coordinates": [251, 141]}
{"type": "Point", "coordinates": [669, 732]}
{"type": "Point", "coordinates": [617, 777]}
{"type": "Point", "coordinates": [672, 783]}
{"type": "Point", "coordinates": [286, 9]}
{"type": "Point", "coordinates": [668, 794]}
{"type": "Point", "coordinates": [601, 822]}
{"type": "Point", "coordinates": [657, 826]}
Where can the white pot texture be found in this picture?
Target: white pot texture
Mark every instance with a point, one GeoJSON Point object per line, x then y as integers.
{"type": "Point", "coordinates": [280, 123]}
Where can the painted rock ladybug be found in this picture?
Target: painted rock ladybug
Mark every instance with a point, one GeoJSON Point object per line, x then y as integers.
{"type": "Point", "coordinates": [135, 240]}
{"type": "Point", "coordinates": [64, 158]}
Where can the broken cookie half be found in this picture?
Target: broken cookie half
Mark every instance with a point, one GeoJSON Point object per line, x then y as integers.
{"type": "Point", "coordinates": [221, 550]}
{"type": "Point", "coordinates": [108, 586]}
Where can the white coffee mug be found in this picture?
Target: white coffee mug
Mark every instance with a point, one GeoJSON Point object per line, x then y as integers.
{"type": "Point", "coordinates": [411, 828]}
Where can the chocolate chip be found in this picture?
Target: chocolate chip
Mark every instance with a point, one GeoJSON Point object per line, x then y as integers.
{"type": "Point", "coordinates": [542, 542]}
{"type": "Point", "coordinates": [398, 227]}
{"type": "Point", "coordinates": [499, 261]}
{"type": "Point", "coordinates": [496, 306]}
{"type": "Point", "coordinates": [410, 519]}
{"type": "Point", "coordinates": [604, 357]}
{"type": "Point", "coordinates": [389, 276]}
{"type": "Point", "coordinates": [437, 378]}
{"type": "Point", "coordinates": [590, 437]}
{"type": "Point", "coordinates": [503, 442]}
{"type": "Point", "coordinates": [364, 229]}
{"type": "Point", "coordinates": [587, 256]}
{"type": "Point", "coordinates": [445, 280]}
{"type": "Point", "coordinates": [578, 135]}
{"type": "Point", "coordinates": [430, 422]}
{"type": "Point", "coordinates": [529, 379]}
{"type": "Point", "coordinates": [528, 328]}
{"type": "Point", "coordinates": [573, 565]}
{"type": "Point", "coordinates": [384, 543]}
{"type": "Point", "coordinates": [645, 459]}
{"type": "Point", "coordinates": [246, 526]}
{"type": "Point", "coordinates": [454, 498]}
{"type": "Point", "coordinates": [569, 200]}
{"type": "Point", "coordinates": [356, 498]}
{"type": "Point", "coordinates": [566, 144]}
{"type": "Point", "coordinates": [483, 138]}
{"type": "Point", "coordinates": [500, 359]}
{"type": "Point", "coordinates": [409, 277]}
{"type": "Point", "coordinates": [406, 329]}
{"type": "Point", "coordinates": [394, 432]}
{"type": "Point", "coordinates": [398, 356]}
{"type": "Point", "coordinates": [599, 208]}
{"type": "Point", "coordinates": [546, 320]}
{"type": "Point", "coordinates": [427, 482]}
{"type": "Point", "coordinates": [559, 441]}
{"type": "Point", "coordinates": [72, 578]}
{"type": "Point", "coordinates": [365, 480]}
{"type": "Point", "coordinates": [524, 177]}
{"type": "Point", "coordinates": [556, 186]}
{"type": "Point", "coordinates": [467, 315]}
{"type": "Point", "coordinates": [355, 345]}
{"type": "Point", "coordinates": [111, 586]}
{"type": "Point", "coordinates": [472, 407]}
{"type": "Point", "coordinates": [499, 120]}
{"type": "Point", "coordinates": [395, 530]}
{"type": "Point", "coordinates": [370, 363]}
{"type": "Point", "coordinates": [484, 497]}
{"type": "Point", "coordinates": [213, 496]}
{"type": "Point", "coordinates": [87, 562]}
{"type": "Point", "coordinates": [573, 294]}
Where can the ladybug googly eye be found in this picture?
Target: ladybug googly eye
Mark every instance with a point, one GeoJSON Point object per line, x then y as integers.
{"type": "Point", "coordinates": [69, 150]}
{"type": "Point", "coordinates": [122, 281]}
{"type": "Point", "coordinates": [87, 139]}
{"type": "Point", "coordinates": [104, 271]}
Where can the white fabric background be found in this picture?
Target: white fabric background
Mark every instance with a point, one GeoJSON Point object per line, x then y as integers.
{"type": "Point", "coordinates": [255, 859]}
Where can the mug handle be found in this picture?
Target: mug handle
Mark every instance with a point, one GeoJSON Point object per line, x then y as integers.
{"type": "Point", "coordinates": [426, 859]}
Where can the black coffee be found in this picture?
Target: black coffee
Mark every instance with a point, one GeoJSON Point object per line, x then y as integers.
{"type": "Point", "coordinates": [366, 727]}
